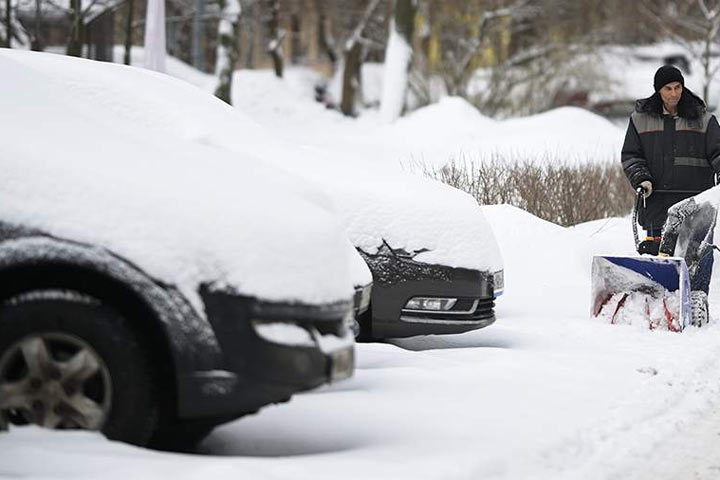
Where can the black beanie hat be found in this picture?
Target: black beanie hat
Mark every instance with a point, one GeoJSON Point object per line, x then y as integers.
{"type": "Point", "coordinates": [667, 74]}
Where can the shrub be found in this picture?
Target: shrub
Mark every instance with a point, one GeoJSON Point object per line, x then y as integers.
{"type": "Point", "coordinates": [548, 187]}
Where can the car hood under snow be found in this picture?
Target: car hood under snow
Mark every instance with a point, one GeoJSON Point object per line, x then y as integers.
{"type": "Point", "coordinates": [82, 163]}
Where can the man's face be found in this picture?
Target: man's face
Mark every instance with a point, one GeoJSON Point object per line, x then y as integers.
{"type": "Point", "coordinates": [670, 94]}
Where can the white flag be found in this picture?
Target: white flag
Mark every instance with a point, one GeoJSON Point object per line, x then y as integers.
{"type": "Point", "coordinates": [155, 35]}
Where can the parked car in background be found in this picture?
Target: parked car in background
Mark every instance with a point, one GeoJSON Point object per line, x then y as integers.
{"type": "Point", "coordinates": [435, 263]}
{"type": "Point", "coordinates": [414, 298]}
{"type": "Point", "coordinates": [153, 286]}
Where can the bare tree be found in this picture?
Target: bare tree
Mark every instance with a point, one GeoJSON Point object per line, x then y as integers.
{"type": "Point", "coordinates": [352, 60]}
{"type": "Point", "coordinates": [78, 14]}
{"type": "Point", "coordinates": [461, 58]}
{"type": "Point", "coordinates": [128, 31]}
{"type": "Point", "coordinates": [37, 44]}
{"type": "Point", "coordinates": [276, 37]}
{"type": "Point", "coordinates": [227, 47]}
{"type": "Point", "coordinates": [397, 59]}
{"type": "Point", "coordinates": [12, 32]}
{"type": "Point", "coordinates": [8, 24]}
{"type": "Point", "coordinates": [325, 36]}
{"type": "Point", "coordinates": [76, 39]}
{"type": "Point", "coordinates": [694, 25]}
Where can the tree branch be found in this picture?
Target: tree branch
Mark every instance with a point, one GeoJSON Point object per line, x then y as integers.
{"type": "Point", "coordinates": [360, 28]}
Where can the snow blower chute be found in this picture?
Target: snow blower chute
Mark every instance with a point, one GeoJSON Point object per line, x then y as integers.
{"type": "Point", "coordinates": [659, 291]}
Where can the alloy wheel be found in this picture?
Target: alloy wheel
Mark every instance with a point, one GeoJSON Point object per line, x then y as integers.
{"type": "Point", "coordinates": [55, 380]}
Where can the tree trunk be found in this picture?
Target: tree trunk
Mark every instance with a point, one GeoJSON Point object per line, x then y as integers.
{"type": "Point", "coordinates": [128, 31]}
{"type": "Point", "coordinates": [227, 48]}
{"type": "Point", "coordinates": [397, 60]}
{"type": "Point", "coordinates": [76, 40]}
{"type": "Point", "coordinates": [325, 37]}
{"type": "Point", "coordinates": [351, 79]}
{"type": "Point", "coordinates": [352, 61]}
{"type": "Point", "coordinates": [37, 44]}
{"type": "Point", "coordinates": [706, 67]}
{"type": "Point", "coordinates": [198, 33]}
{"type": "Point", "coordinates": [8, 23]}
{"type": "Point", "coordinates": [276, 37]}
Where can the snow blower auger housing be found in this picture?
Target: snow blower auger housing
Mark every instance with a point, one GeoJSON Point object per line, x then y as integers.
{"type": "Point", "coordinates": [652, 291]}
{"type": "Point", "coordinates": [658, 291]}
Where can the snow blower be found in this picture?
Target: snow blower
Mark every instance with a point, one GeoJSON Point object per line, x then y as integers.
{"type": "Point", "coordinates": [655, 291]}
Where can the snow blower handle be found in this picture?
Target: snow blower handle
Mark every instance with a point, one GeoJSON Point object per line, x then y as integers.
{"type": "Point", "coordinates": [640, 197]}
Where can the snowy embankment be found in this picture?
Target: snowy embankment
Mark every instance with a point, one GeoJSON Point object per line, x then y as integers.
{"type": "Point", "coordinates": [436, 134]}
{"type": "Point", "coordinates": [451, 129]}
{"type": "Point", "coordinates": [544, 393]}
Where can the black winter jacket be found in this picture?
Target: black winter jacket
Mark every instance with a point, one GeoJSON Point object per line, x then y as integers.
{"type": "Point", "coordinates": [674, 153]}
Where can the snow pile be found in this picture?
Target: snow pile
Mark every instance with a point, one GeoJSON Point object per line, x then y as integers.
{"type": "Point", "coordinates": [435, 134]}
{"type": "Point", "coordinates": [397, 63]}
{"type": "Point", "coordinates": [107, 172]}
{"type": "Point", "coordinates": [643, 310]}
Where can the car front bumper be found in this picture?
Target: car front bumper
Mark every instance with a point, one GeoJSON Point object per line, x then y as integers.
{"type": "Point", "coordinates": [270, 351]}
{"type": "Point", "coordinates": [397, 279]}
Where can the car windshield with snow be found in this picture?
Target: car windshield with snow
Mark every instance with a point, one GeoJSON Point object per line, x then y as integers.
{"type": "Point", "coordinates": [152, 285]}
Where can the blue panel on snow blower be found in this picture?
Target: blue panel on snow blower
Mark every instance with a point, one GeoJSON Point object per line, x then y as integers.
{"type": "Point", "coordinates": [660, 270]}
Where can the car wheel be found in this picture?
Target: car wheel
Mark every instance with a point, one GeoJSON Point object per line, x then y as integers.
{"type": "Point", "coordinates": [69, 362]}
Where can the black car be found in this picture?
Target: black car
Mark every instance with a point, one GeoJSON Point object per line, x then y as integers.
{"type": "Point", "coordinates": [414, 298]}
{"type": "Point", "coordinates": [153, 285]}
{"type": "Point", "coordinates": [88, 340]}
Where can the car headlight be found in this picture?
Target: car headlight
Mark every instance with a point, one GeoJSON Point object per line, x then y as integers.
{"type": "Point", "coordinates": [435, 304]}
{"type": "Point", "coordinates": [499, 282]}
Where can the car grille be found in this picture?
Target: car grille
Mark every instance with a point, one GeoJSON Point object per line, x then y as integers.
{"type": "Point", "coordinates": [485, 309]}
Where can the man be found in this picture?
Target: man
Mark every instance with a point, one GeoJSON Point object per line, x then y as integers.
{"type": "Point", "coordinates": [671, 152]}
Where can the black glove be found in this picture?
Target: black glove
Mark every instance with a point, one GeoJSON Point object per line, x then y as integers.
{"type": "Point", "coordinates": [649, 247]}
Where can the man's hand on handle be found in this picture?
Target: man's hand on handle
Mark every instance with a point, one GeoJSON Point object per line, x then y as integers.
{"type": "Point", "coordinates": [647, 188]}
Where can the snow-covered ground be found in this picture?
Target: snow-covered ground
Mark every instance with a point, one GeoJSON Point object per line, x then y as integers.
{"type": "Point", "coordinates": [544, 393]}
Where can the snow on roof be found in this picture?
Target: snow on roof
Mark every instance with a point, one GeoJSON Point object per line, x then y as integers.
{"type": "Point", "coordinates": [88, 155]}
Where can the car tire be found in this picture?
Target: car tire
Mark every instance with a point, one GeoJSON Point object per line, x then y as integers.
{"type": "Point", "coordinates": [365, 333]}
{"type": "Point", "coordinates": [67, 356]}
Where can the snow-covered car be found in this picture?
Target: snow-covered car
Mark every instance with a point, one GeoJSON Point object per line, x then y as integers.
{"type": "Point", "coordinates": [435, 263]}
{"type": "Point", "coordinates": [153, 286]}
